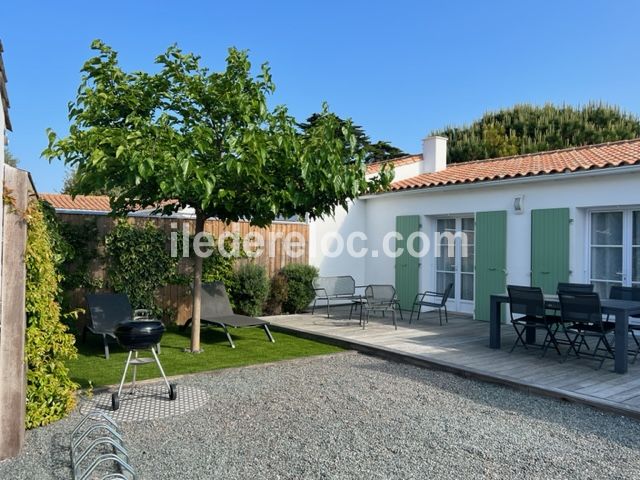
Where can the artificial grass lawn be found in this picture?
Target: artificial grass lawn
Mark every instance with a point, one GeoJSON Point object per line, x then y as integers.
{"type": "Point", "coordinates": [252, 347]}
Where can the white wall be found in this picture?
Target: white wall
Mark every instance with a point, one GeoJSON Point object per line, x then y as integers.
{"type": "Point", "coordinates": [345, 223]}
{"type": "Point", "coordinates": [377, 216]}
{"type": "Point", "coordinates": [321, 237]}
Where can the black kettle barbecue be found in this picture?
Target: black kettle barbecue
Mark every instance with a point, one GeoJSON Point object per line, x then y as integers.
{"type": "Point", "coordinates": [140, 334]}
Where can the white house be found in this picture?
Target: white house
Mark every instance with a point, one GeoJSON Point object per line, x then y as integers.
{"type": "Point", "coordinates": [536, 219]}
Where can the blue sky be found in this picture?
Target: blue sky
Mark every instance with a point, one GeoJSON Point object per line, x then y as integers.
{"type": "Point", "coordinates": [400, 69]}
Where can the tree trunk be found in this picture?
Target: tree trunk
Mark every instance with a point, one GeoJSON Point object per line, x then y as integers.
{"type": "Point", "coordinates": [197, 289]}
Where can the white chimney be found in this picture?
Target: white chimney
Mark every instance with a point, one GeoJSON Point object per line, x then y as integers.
{"type": "Point", "coordinates": [434, 154]}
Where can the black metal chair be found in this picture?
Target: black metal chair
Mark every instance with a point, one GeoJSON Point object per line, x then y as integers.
{"type": "Point", "coordinates": [527, 309]}
{"type": "Point", "coordinates": [419, 301]}
{"type": "Point", "coordinates": [573, 288]}
{"type": "Point", "coordinates": [581, 315]}
{"type": "Point", "coordinates": [631, 294]}
{"type": "Point", "coordinates": [380, 298]}
{"type": "Point", "coordinates": [570, 289]}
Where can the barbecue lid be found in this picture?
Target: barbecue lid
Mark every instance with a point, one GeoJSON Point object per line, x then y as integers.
{"type": "Point", "coordinates": [139, 334]}
{"type": "Point", "coordinates": [140, 327]}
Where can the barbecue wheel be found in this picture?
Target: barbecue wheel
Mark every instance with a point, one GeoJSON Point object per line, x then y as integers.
{"type": "Point", "coordinates": [115, 401]}
{"type": "Point", "coordinates": [173, 391]}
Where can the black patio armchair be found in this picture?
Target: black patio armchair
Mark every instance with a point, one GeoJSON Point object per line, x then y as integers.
{"type": "Point", "coordinates": [582, 316]}
{"type": "Point", "coordinates": [434, 300]}
{"type": "Point", "coordinates": [527, 308]}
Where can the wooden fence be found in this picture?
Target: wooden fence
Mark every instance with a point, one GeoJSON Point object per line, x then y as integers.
{"type": "Point", "coordinates": [176, 299]}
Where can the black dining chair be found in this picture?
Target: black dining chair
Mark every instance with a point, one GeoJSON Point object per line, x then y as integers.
{"type": "Point", "coordinates": [527, 310]}
{"type": "Point", "coordinates": [581, 315]}
{"type": "Point", "coordinates": [572, 288]}
{"type": "Point", "coordinates": [631, 294]}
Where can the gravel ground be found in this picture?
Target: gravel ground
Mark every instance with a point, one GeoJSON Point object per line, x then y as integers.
{"type": "Point", "coordinates": [350, 416]}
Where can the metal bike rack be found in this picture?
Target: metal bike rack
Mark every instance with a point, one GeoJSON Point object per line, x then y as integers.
{"type": "Point", "coordinates": [105, 448]}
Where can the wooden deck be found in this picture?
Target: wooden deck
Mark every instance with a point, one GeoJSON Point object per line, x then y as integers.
{"type": "Point", "coordinates": [461, 347]}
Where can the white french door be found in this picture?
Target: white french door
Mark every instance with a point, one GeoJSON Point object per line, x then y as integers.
{"type": "Point", "coordinates": [614, 249]}
{"type": "Point", "coordinates": [455, 261]}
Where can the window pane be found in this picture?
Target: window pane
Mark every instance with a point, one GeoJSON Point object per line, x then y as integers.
{"type": "Point", "coordinates": [468, 261]}
{"type": "Point", "coordinates": [444, 261]}
{"type": "Point", "coordinates": [603, 288]}
{"type": "Point", "coordinates": [606, 228]}
{"type": "Point", "coordinates": [447, 224]}
{"type": "Point", "coordinates": [468, 238]}
{"type": "Point", "coordinates": [636, 228]}
{"type": "Point", "coordinates": [468, 224]}
{"type": "Point", "coordinates": [444, 279]}
{"type": "Point", "coordinates": [606, 263]}
{"type": "Point", "coordinates": [635, 274]}
{"type": "Point", "coordinates": [467, 286]}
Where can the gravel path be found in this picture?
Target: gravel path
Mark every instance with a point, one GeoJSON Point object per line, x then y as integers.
{"type": "Point", "coordinates": [349, 416]}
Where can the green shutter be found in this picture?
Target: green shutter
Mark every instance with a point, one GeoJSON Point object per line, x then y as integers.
{"type": "Point", "coordinates": [407, 266]}
{"type": "Point", "coordinates": [491, 259]}
{"type": "Point", "coordinates": [549, 248]}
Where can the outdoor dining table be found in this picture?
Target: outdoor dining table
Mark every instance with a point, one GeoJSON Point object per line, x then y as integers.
{"type": "Point", "coordinates": [621, 310]}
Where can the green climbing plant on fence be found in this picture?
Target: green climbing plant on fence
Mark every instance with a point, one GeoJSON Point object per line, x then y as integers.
{"type": "Point", "coordinates": [139, 262]}
{"type": "Point", "coordinates": [50, 390]}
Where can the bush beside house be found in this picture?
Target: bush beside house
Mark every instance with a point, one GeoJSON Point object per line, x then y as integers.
{"type": "Point", "coordinates": [300, 291]}
{"type": "Point", "coordinates": [251, 289]}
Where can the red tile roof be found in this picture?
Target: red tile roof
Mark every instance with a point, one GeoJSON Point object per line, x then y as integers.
{"type": "Point", "coordinates": [605, 155]}
{"type": "Point", "coordinates": [95, 203]}
{"type": "Point", "coordinates": [397, 162]}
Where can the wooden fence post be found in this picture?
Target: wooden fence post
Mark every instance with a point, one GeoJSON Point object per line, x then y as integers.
{"type": "Point", "coordinates": [12, 315]}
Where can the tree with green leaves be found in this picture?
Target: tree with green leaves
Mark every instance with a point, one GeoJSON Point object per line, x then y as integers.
{"type": "Point", "coordinates": [372, 152]}
{"type": "Point", "coordinates": [529, 129]}
{"type": "Point", "coordinates": [382, 150]}
{"type": "Point", "coordinates": [190, 137]}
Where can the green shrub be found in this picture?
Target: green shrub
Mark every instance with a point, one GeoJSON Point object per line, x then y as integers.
{"type": "Point", "coordinates": [278, 291]}
{"type": "Point", "coordinates": [299, 285]}
{"type": "Point", "coordinates": [50, 391]}
{"type": "Point", "coordinates": [219, 268]}
{"type": "Point", "coordinates": [139, 262]}
{"type": "Point", "coordinates": [251, 289]}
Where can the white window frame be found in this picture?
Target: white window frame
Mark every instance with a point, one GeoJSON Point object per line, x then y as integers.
{"type": "Point", "coordinates": [455, 303]}
{"type": "Point", "coordinates": [627, 241]}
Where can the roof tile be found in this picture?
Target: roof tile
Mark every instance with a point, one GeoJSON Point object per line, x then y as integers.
{"type": "Point", "coordinates": [605, 155]}
{"type": "Point", "coordinates": [94, 203]}
{"type": "Point", "coordinates": [397, 162]}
